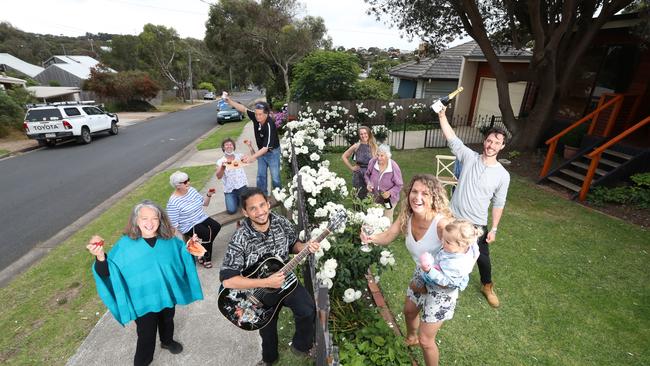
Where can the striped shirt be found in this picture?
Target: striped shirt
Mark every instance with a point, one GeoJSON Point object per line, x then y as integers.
{"type": "Point", "coordinates": [186, 211]}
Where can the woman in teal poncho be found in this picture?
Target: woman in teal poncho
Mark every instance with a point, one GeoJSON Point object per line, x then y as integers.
{"type": "Point", "coordinates": [147, 272]}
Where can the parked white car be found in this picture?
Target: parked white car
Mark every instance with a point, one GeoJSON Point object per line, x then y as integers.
{"type": "Point", "coordinates": [49, 123]}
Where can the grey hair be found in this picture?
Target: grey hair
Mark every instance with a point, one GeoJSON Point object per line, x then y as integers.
{"type": "Point", "coordinates": [165, 229]}
{"type": "Point", "coordinates": [177, 178]}
{"type": "Point", "coordinates": [384, 148]}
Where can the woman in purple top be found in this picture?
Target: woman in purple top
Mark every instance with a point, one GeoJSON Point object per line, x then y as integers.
{"type": "Point", "coordinates": [384, 180]}
{"type": "Point", "coordinates": [363, 151]}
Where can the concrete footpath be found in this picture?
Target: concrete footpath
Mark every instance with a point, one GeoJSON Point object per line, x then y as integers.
{"type": "Point", "coordinates": [207, 337]}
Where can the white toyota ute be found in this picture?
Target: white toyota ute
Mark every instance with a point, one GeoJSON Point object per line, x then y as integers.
{"type": "Point", "coordinates": [49, 123]}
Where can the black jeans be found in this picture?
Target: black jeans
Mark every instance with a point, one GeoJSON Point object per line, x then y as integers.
{"type": "Point", "coordinates": [483, 262]}
{"type": "Point", "coordinates": [207, 231]}
{"type": "Point", "coordinates": [147, 325]}
{"type": "Point", "coordinates": [304, 312]}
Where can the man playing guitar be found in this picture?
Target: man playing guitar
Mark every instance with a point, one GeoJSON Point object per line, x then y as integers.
{"type": "Point", "coordinates": [266, 233]}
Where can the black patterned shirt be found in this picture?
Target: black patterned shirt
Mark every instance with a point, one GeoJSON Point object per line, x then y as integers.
{"type": "Point", "coordinates": [248, 246]}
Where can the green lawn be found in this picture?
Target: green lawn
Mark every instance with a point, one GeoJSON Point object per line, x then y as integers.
{"type": "Point", "coordinates": [3, 152]}
{"type": "Point", "coordinates": [50, 309]}
{"type": "Point", "coordinates": [573, 284]}
{"type": "Point", "coordinates": [232, 130]}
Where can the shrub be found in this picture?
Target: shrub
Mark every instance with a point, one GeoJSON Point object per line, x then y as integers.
{"type": "Point", "coordinates": [12, 109]}
{"type": "Point", "coordinates": [124, 86]}
{"type": "Point", "coordinates": [638, 195]}
{"type": "Point", "coordinates": [372, 89]}
{"type": "Point", "coordinates": [207, 86]}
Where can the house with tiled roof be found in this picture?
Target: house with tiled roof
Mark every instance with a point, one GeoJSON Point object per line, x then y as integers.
{"type": "Point", "coordinates": [466, 66]}
{"type": "Point", "coordinates": [66, 70]}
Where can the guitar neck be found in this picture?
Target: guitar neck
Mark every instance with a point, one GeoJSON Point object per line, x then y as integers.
{"type": "Point", "coordinates": [293, 263]}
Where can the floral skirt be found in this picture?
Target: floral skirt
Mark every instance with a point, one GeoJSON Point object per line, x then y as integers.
{"type": "Point", "coordinates": [437, 304]}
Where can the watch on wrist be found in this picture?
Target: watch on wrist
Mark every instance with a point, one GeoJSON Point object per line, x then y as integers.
{"type": "Point", "coordinates": [493, 229]}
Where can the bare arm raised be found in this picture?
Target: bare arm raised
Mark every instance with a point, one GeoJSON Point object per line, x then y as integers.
{"type": "Point", "coordinates": [445, 126]}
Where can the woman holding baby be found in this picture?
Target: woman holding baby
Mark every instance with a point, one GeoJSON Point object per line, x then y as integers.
{"type": "Point", "coordinates": [425, 220]}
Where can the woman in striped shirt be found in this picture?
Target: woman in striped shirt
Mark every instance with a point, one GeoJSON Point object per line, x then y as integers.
{"type": "Point", "coordinates": [186, 213]}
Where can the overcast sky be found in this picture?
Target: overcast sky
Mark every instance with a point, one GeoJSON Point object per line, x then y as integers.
{"type": "Point", "coordinates": [346, 20]}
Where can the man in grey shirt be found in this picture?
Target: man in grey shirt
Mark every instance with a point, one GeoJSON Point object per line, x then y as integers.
{"type": "Point", "coordinates": [482, 180]}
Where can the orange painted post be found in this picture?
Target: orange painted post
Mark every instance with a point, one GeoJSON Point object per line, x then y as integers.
{"type": "Point", "coordinates": [592, 126]}
{"type": "Point", "coordinates": [613, 116]}
{"type": "Point", "coordinates": [549, 158]}
{"type": "Point", "coordinates": [589, 177]}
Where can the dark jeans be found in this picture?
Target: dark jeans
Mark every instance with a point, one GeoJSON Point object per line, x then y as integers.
{"type": "Point", "coordinates": [147, 325]}
{"type": "Point", "coordinates": [483, 262]}
{"type": "Point", "coordinates": [232, 200]}
{"type": "Point", "coordinates": [304, 311]}
{"type": "Point", "coordinates": [207, 231]}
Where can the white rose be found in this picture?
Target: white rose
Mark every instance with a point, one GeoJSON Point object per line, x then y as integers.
{"type": "Point", "coordinates": [314, 157]}
{"type": "Point", "coordinates": [383, 261]}
{"type": "Point", "coordinates": [327, 282]}
{"type": "Point", "coordinates": [328, 272]}
{"type": "Point", "coordinates": [331, 264]}
{"type": "Point", "coordinates": [391, 261]}
{"type": "Point", "coordinates": [357, 295]}
{"type": "Point", "coordinates": [385, 253]}
{"type": "Point", "coordinates": [312, 201]}
{"type": "Point", "coordinates": [349, 295]}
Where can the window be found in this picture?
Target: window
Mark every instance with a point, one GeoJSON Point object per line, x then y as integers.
{"type": "Point", "coordinates": [72, 112]}
{"type": "Point", "coordinates": [50, 114]}
{"type": "Point", "coordinates": [90, 111]}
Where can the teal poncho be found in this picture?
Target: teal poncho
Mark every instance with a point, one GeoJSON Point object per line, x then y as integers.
{"type": "Point", "coordinates": [145, 279]}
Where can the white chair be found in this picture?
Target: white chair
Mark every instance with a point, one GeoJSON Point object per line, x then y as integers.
{"type": "Point", "coordinates": [445, 170]}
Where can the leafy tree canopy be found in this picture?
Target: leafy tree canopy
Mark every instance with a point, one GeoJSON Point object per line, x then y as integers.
{"type": "Point", "coordinates": [557, 32]}
{"type": "Point", "coordinates": [263, 39]}
{"type": "Point", "coordinates": [326, 75]}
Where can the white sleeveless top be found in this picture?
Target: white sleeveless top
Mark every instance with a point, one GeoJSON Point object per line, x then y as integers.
{"type": "Point", "coordinates": [430, 242]}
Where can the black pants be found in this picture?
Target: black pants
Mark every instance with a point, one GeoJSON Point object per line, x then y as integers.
{"type": "Point", "coordinates": [304, 311]}
{"type": "Point", "coordinates": [147, 325]}
{"type": "Point", "coordinates": [483, 262]}
{"type": "Point", "coordinates": [207, 231]}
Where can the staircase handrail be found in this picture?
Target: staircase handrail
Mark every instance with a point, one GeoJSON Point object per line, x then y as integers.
{"type": "Point", "coordinates": [596, 154]}
{"type": "Point", "coordinates": [553, 141]}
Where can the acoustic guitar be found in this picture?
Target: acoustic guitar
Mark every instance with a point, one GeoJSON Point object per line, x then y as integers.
{"type": "Point", "coordinates": [252, 309]}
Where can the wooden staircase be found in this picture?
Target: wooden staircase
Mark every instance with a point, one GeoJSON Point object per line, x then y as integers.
{"type": "Point", "coordinates": [601, 159]}
{"type": "Point", "coordinates": [572, 173]}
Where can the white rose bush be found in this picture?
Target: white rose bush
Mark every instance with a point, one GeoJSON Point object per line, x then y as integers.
{"type": "Point", "coordinates": [390, 111]}
{"type": "Point", "coordinates": [341, 265]}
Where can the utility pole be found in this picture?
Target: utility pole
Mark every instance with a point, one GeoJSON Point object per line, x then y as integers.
{"type": "Point", "coordinates": [230, 72]}
{"type": "Point", "coordinates": [190, 58]}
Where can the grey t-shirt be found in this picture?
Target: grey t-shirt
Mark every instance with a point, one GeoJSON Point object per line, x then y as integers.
{"type": "Point", "coordinates": [478, 185]}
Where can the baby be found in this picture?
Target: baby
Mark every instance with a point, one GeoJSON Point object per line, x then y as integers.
{"type": "Point", "coordinates": [454, 261]}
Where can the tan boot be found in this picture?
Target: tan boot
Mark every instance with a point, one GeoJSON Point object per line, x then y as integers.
{"type": "Point", "coordinates": [488, 290]}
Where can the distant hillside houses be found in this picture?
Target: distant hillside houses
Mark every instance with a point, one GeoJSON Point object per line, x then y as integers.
{"type": "Point", "coordinates": [64, 70]}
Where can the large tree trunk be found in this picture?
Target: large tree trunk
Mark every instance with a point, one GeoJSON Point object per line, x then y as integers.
{"type": "Point", "coordinates": [287, 87]}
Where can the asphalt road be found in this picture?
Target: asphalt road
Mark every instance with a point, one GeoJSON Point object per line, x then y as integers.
{"type": "Point", "coordinates": [44, 191]}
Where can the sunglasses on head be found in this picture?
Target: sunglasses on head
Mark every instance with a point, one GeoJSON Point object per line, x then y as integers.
{"type": "Point", "coordinates": [260, 106]}
{"type": "Point", "coordinates": [187, 181]}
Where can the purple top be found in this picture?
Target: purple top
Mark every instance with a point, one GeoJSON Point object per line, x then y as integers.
{"type": "Point", "coordinates": [390, 180]}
